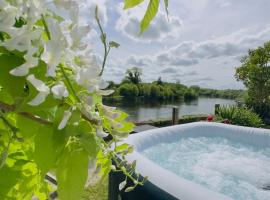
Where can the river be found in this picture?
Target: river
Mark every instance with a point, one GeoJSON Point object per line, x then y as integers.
{"type": "Point", "coordinates": [153, 111]}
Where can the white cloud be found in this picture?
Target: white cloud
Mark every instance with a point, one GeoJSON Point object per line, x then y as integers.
{"type": "Point", "coordinates": [169, 70]}
{"type": "Point", "coordinates": [137, 61]}
{"type": "Point", "coordinates": [224, 3]}
{"type": "Point", "coordinates": [87, 8]}
{"type": "Point", "coordinates": [201, 63]}
{"type": "Point", "coordinates": [190, 53]}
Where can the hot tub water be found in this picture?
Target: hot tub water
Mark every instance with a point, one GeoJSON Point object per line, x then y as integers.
{"type": "Point", "coordinates": [239, 171]}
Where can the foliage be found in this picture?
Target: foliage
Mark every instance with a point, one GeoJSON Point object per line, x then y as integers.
{"type": "Point", "coordinates": [133, 75]}
{"type": "Point", "coordinates": [163, 91]}
{"type": "Point", "coordinates": [51, 114]}
{"type": "Point", "coordinates": [239, 116]}
{"type": "Point", "coordinates": [227, 112]}
{"type": "Point", "coordinates": [190, 94]}
{"type": "Point", "coordinates": [227, 94]}
{"type": "Point", "coordinates": [159, 81]}
{"type": "Point", "coordinates": [150, 13]}
{"type": "Point", "coordinates": [129, 90]}
{"type": "Point", "coordinates": [254, 72]}
{"type": "Point", "coordinates": [97, 190]}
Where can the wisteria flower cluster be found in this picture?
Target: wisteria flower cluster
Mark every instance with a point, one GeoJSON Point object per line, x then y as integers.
{"type": "Point", "coordinates": [52, 119]}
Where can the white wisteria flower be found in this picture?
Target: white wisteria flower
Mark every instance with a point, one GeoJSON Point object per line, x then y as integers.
{"type": "Point", "coordinates": [101, 133]}
{"type": "Point", "coordinates": [63, 123]}
{"type": "Point", "coordinates": [87, 70]}
{"type": "Point", "coordinates": [30, 62]}
{"type": "Point", "coordinates": [59, 91]}
{"type": "Point", "coordinates": [71, 6]}
{"type": "Point", "coordinates": [55, 48]}
{"type": "Point", "coordinates": [43, 89]}
{"type": "Point", "coordinates": [110, 112]}
{"type": "Point", "coordinates": [7, 18]}
{"type": "Point", "coordinates": [76, 34]}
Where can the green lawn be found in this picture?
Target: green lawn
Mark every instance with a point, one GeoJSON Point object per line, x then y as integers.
{"type": "Point", "coordinates": [97, 191]}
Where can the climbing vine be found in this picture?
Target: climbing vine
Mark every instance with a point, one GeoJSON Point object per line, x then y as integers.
{"type": "Point", "coordinates": [52, 119]}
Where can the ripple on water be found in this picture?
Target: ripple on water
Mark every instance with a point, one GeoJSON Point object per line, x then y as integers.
{"type": "Point", "coordinates": [234, 169]}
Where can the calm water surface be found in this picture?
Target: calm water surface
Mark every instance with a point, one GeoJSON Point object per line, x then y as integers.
{"type": "Point", "coordinates": [153, 111]}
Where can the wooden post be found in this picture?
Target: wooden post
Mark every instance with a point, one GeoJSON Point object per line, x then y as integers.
{"type": "Point", "coordinates": [175, 113]}
{"type": "Point", "coordinates": [217, 106]}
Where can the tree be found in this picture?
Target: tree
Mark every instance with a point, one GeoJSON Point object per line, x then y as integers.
{"type": "Point", "coordinates": [155, 91]}
{"type": "Point", "coordinates": [159, 81]}
{"type": "Point", "coordinates": [254, 72]}
{"type": "Point", "coordinates": [133, 75]}
{"type": "Point", "coordinates": [129, 90]}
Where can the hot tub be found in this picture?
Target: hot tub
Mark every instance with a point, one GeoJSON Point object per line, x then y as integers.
{"type": "Point", "coordinates": [166, 183]}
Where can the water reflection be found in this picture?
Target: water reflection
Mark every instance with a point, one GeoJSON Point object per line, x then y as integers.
{"type": "Point", "coordinates": [139, 111]}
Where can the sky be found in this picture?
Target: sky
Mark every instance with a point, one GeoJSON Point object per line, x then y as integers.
{"type": "Point", "coordinates": [199, 43]}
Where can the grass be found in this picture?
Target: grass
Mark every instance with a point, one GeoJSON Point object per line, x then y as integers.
{"type": "Point", "coordinates": [97, 191]}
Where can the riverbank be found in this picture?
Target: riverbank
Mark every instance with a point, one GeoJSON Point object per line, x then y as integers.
{"type": "Point", "coordinates": [161, 111]}
{"type": "Point", "coordinates": [167, 122]}
{"type": "Point", "coordinates": [165, 91]}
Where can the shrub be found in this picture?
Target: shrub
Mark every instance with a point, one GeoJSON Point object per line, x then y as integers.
{"type": "Point", "coordinates": [129, 90]}
{"type": "Point", "coordinates": [226, 112]}
{"type": "Point", "coordinates": [239, 116]}
{"type": "Point", "coordinates": [190, 94]}
{"type": "Point", "coordinates": [246, 117]}
{"type": "Point", "coordinates": [155, 92]}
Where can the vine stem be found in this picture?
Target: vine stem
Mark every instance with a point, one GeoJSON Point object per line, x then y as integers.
{"type": "Point", "coordinates": [104, 42]}
{"type": "Point", "coordinates": [115, 158]}
{"type": "Point", "coordinates": [69, 83]}
{"type": "Point", "coordinates": [4, 154]}
{"type": "Point", "coordinates": [45, 27]}
{"type": "Point", "coordinates": [10, 108]}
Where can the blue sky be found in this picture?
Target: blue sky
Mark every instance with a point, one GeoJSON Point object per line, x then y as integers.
{"type": "Point", "coordinates": [200, 44]}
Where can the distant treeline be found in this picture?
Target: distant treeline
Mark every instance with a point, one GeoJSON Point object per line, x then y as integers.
{"type": "Point", "coordinates": [163, 91]}
{"type": "Point", "coordinates": [132, 88]}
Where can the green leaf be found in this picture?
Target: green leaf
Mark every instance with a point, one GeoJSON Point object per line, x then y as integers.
{"type": "Point", "coordinates": [122, 147]}
{"type": "Point", "coordinates": [11, 84]}
{"type": "Point", "coordinates": [122, 115]}
{"type": "Point", "coordinates": [72, 172]}
{"type": "Point", "coordinates": [149, 15]}
{"type": "Point", "coordinates": [131, 3]}
{"type": "Point", "coordinates": [26, 126]}
{"type": "Point", "coordinates": [44, 154]}
{"type": "Point", "coordinates": [90, 144]}
{"type": "Point", "coordinates": [127, 127]}
{"type": "Point", "coordinates": [85, 133]}
{"type": "Point", "coordinates": [8, 179]}
{"type": "Point", "coordinates": [113, 44]}
{"type": "Point", "coordinates": [129, 189]}
{"type": "Point", "coordinates": [105, 163]}
{"type": "Point", "coordinates": [6, 97]}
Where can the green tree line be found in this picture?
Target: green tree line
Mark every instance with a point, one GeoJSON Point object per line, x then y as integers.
{"type": "Point", "coordinates": [132, 88]}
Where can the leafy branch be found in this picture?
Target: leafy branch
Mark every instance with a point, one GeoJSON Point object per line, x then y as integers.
{"type": "Point", "coordinates": [118, 157]}
{"type": "Point", "coordinates": [4, 154]}
{"type": "Point", "coordinates": [107, 46]}
{"type": "Point", "coordinates": [11, 108]}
